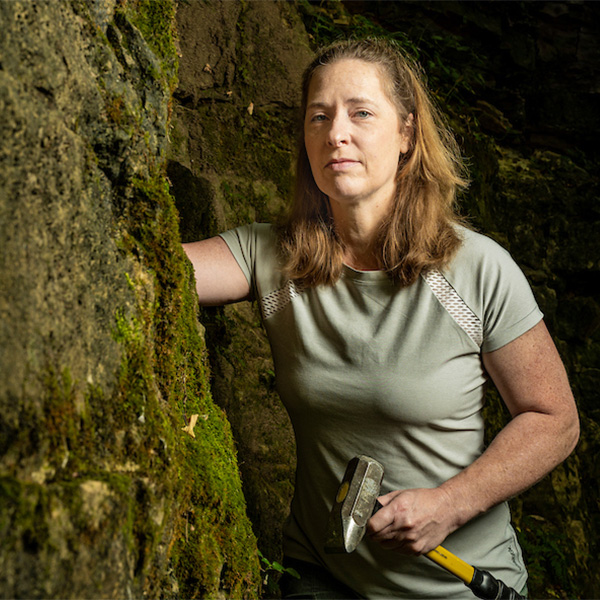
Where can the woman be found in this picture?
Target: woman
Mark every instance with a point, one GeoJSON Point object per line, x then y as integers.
{"type": "Point", "coordinates": [385, 317]}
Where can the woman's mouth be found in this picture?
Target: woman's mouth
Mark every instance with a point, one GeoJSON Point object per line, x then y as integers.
{"type": "Point", "coordinates": [341, 164]}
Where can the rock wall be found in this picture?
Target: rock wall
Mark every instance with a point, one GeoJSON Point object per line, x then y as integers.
{"type": "Point", "coordinates": [102, 359]}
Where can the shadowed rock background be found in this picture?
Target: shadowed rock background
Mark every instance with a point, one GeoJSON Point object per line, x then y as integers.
{"type": "Point", "coordinates": [128, 125]}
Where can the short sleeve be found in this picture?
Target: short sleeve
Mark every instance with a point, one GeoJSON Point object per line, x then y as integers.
{"type": "Point", "coordinates": [254, 248]}
{"type": "Point", "coordinates": [495, 288]}
{"type": "Point", "coordinates": [511, 309]}
{"type": "Point", "coordinates": [242, 244]}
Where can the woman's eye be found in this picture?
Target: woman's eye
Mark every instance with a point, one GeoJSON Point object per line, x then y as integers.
{"type": "Point", "coordinates": [319, 118]}
{"type": "Point", "coordinates": [363, 114]}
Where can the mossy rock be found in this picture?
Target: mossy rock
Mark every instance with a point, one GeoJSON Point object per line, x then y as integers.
{"type": "Point", "coordinates": [102, 493]}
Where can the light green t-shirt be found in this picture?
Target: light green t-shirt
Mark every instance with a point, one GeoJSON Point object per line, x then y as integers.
{"type": "Point", "coordinates": [369, 367]}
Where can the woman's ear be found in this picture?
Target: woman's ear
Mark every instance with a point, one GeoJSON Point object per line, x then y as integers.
{"type": "Point", "coordinates": [407, 132]}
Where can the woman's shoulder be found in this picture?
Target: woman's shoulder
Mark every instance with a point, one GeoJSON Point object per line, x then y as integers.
{"type": "Point", "coordinates": [257, 230]}
{"type": "Point", "coordinates": [481, 269]}
{"type": "Point", "coordinates": [474, 240]}
{"type": "Point", "coordinates": [494, 287]}
{"type": "Point", "coordinates": [478, 250]}
{"type": "Point", "coordinates": [484, 275]}
{"type": "Point", "coordinates": [255, 247]}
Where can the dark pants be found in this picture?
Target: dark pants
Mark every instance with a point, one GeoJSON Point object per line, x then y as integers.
{"type": "Point", "coordinates": [315, 583]}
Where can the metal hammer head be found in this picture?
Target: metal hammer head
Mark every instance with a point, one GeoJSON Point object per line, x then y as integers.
{"type": "Point", "coordinates": [354, 504]}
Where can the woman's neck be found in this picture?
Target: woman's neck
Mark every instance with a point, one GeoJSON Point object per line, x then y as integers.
{"type": "Point", "coordinates": [358, 227]}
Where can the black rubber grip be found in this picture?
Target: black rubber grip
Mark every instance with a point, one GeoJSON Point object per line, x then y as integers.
{"type": "Point", "coordinates": [486, 586]}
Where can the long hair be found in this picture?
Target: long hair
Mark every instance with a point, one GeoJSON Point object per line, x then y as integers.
{"type": "Point", "coordinates": [419, 233]}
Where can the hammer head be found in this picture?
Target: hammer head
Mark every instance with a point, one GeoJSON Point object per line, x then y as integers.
{"type": "Point", "coordinates": [354, 504]}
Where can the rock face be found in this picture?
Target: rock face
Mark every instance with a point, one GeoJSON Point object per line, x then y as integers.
{"type": "Point", "coordinates": [101, 356]}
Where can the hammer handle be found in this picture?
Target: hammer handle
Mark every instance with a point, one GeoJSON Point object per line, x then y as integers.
{"type": "Point", "coordinates": [482, 584]}
{"type": "Point", "coordinates": [452, 564]}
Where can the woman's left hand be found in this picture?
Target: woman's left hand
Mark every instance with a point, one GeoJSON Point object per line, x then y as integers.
{"type": "Point", "coordinates": [412, 521]}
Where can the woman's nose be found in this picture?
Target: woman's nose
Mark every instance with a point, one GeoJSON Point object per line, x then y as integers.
{"type": "Point", "coordinates": [338, 132]}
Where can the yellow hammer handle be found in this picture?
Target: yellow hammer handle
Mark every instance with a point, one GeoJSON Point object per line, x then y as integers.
{"type": "Point", "coordinates": [452, 563]}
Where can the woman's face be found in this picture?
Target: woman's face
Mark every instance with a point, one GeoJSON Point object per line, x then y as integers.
{"type": "Point", "coordinates": [352, 133]}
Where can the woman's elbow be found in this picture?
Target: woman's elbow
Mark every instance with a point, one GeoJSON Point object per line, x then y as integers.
{"type": "Point", "coordinates": [574, 430]}
{"type": "Point", "coordinates": [570, 428]}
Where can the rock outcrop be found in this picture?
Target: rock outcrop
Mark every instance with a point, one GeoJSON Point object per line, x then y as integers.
{"type": "Point", "coordinates": [102, 359]}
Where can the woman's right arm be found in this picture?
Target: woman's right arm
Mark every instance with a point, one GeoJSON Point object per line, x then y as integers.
{"type": "Point", "coordinates": [219, 278]}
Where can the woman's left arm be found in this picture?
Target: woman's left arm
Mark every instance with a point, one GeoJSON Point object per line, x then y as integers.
{"type": "Point", "coordinates": [543, 431]}
{"type": "Point", "coordinates": [544, 428]}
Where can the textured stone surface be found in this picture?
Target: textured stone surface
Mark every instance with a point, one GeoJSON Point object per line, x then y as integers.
{"type": "Point", "coordinates": [101, 356]}
{"type": "Point", "coordinates": [230, 167]}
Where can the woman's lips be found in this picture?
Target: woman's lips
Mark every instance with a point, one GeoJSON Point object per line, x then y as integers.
{"type": "Point", "coordinates": [341, 164]}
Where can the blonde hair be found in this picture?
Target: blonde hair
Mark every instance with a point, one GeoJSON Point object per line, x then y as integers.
{"type": "Point", "coordinates": [419, 233]}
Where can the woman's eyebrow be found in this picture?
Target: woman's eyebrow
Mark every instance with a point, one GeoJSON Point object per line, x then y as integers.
{"type": "Point", "coordinates": [359, 101]}
{"type": "Point", "coordinates": [318, 105]}
{"type": "Point", "coordinates": [349, 101]}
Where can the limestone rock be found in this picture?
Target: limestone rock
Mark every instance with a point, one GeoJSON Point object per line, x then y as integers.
{"type": "Point", "coordinates": [101, 354]}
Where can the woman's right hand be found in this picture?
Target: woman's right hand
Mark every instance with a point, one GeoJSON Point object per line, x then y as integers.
{"type": "Point", "coordinates": [219, 278]}
{"type": "Point", "coordinates": [412, 521]}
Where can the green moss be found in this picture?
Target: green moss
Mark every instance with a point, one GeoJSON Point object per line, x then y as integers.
{"type": "Point", "coordinates": [156, 21]}
{"type": "Point", "coordinates": [209, 535]}
{"type": "Point", "coordinates": [162, 381]}
{"type": "Point", "coordinates": [212, 550]}
{"type": "Point", "coordinates": [104, 472]}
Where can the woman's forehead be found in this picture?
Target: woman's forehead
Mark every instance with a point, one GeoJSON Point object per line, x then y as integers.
{"type": "Point", "coordinates": [348, 75]}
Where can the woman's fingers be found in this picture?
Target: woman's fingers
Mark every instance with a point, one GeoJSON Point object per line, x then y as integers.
{"type": "Point", "coordinates": [411, 521]}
